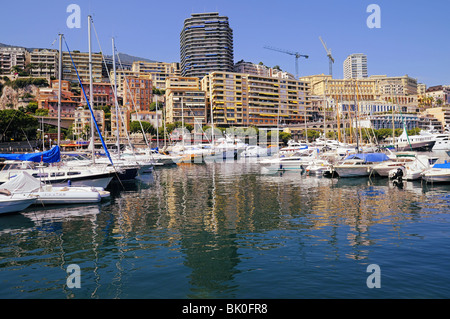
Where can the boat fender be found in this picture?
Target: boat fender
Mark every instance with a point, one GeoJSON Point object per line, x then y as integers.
{"type": "Point", "coordinates": [5, 192]}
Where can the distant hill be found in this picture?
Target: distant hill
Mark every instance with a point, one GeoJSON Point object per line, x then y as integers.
{"type": "Point", "coordinates": [125, 58]}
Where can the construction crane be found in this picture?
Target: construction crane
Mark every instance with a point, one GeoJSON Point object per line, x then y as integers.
{"type": "Point", "coordinates": [330, 57]}
{"type": "Point", "coordinates": [296, 54]}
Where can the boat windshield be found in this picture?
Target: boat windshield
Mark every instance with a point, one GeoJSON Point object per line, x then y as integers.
{"type": "Point", "coordinates": [18, 165]}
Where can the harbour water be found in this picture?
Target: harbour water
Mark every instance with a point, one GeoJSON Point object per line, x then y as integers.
{"type": "Point", "coordinates": [225, 230]}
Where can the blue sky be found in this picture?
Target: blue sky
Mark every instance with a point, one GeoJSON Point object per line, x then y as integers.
{"type": "Point", "coordinates": [413, 38]}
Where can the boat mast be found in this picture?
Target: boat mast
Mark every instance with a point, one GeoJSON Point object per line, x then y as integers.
{"type": "Point", "coordinates": [59, 88]}
{"type": "Point", "coordinates": [356, 118]}
{"type": "Point", "coordinates": [211, 105]}
{"type": "Point", "coordinates": [115, 94]}
{"type": "Point", "coordinates": [325, 106]}
{"type": "Point", "coordinates": [157, 123]}
{"type": "Point", "coordinates": [91, 88]}
{"type": "Point", "coordinates": [182, 120]}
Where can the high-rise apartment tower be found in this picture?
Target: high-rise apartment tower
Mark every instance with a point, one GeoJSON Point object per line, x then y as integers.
{"type": "Point", "coordinates": [355, 66]}
{"type": "Point", "coordinates": [206, 45]}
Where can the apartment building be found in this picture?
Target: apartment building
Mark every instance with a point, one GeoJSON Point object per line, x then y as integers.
{"type": "Point", "coordinates": [45, 63]}
{"type": "Point", "coordinates": [185, 101]}
{"type": "Point", "coordinates": [138, 93]}
{"type": "Point", "coordinates": [11, 57]}
{"type": "Point", "coordinates": [81, 61]}
{"type": "Point", "coordinates": [122, 121]}
{"type": "Point", "coordinates": [421, 89]}
{"type": "Point", "coordinates": [155, 118]}
{"type": "Point", "coordinates": [108, 67]}
{"type": "Point", "coordinates": [158, 71]}
{"type": "Point", "coordinates": [439, 93]}
{"type": "Point", "coordinates": [103, 94]}
{"type": "Point", "coordinates": [342, 89]}
{"type": "Point", "coordinates": [206, 45]}
{"type": "Point", "coordinates": [399, 89]}
{"type": "Point", "coordinates": [119, 78]}
{"type": "Point", "coordinates": [260, 69]}
{"type": "Point", "coordinates": [82, 122]}
{"type": "Point", "coordinates": [243, 99]}
{"type": "Point", "coordinates": [441, 114]}
{"type": "Point", "coordinates": [47, 98]}
{"type": "Point", "coordinates": [355, 66]}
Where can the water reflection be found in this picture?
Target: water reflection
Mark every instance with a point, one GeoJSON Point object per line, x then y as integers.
{"type": "Point", "coordinates": [201, 231]}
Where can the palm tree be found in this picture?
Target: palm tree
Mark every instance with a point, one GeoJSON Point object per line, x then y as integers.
{"type": "Point", "coordinates": [16, 69]}
{"type": "Point", "coordinates": [29, 68]}
{"type": "Point", "coordinates": [41, 66]}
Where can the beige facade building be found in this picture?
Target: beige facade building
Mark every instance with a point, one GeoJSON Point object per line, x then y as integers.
{"type": "Point", "coordinates": [442, 114]}
{"type": "Point", "coordinates": [158, 71]}
{"type": "Point", "coordinates": [240, 99]}
{"type": "Point", "coordinates": [11, 57]}
{"type": "Point", "coordinates": [421, 89]}
{"type": "Point", "coordinates": [342, 89]}
{"type": "Point", "coordinates": [82, 122]}
{"type": "Point", "coordinates": [399, 89]}
{"type": "Point", "coordinates": [440, 94]}
{"type": "Point", "coordinates": [185, 101]}
{"type": "Point", "coordinates": [45, 63]}
{"type": "Point", "coordinates": [260, 69]}
{"type": "Point", "coordinates": [152, 117]}
{"type": "Point", "coordinates": [123, 121]}
{"type": "Point", "coordinates": [81, 61]}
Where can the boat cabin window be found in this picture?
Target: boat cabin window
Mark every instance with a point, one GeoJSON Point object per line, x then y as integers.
{"type": "Point", "coordinates": [73, 173]}
{"type": "Point", "coordinates": [57, 174]}
{"type": "Point", "coordinates": [37, 175]}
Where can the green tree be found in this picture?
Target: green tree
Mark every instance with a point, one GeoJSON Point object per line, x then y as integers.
{"type": "Point", "coordinates": [15, 124]}
{"type": "Point", "coordinates": [41, 112]}
{"type": "Point", "coordinates": [285, 137]}
{"type": "Point", "coordinates": [135, 127]}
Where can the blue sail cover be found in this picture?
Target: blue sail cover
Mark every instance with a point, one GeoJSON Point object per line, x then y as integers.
{"type": "Point", "coordinates": [443, 165]}
{"type": "Point", "coordinates": [51, 156]}
{"type": "Point", "coordinates": [369, 157]}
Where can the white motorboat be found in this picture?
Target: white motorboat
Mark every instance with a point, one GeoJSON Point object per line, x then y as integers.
{"type": "Point", "coordinates": [293, 147]}
{"type": "Point", "coordinates": [58, 174]}
{"type": "Point", "coordinates": [150, 155]}
{"type": "Point", "coordinates": [255, 151]}
{"type": "Point", "coordinates": [442, 140]}
{"type": "Point", "coordinates": [295, 161]}
{"type": "Point", "coordinates": [13, 204]}
{"type": "Point", "coordinates": [25, 184]}
{"type": "Point", "coordinates": [421, 142]}
{"type": "Point", "coordinates": [228, 147]}
{"type": "Point", "coordinates": [398, 160]}
{"type": "Point", "coordinates": [442, 143]}
{"type": "Point", "coordinates": [358, 165]}
{"type": "Point", "coordinates": [317, 167]}
{"type": "Point", "coordinates": [438, 173]}
{"type": "Point", "coordinates": [412, 170]}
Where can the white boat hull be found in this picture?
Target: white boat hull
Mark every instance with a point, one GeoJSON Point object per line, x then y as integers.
{"type": "Point", "coordinates": [98, 182]}
{"type": "Point", "coordinates": [14, 205]}
{"type": "Point", "coordinates": [59, 196]}
{"type": "Point", "coordinates": [353, 171]}
{"type": "Point", "coordinates": [437, 175]}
